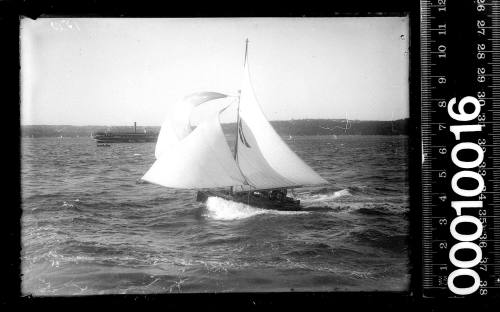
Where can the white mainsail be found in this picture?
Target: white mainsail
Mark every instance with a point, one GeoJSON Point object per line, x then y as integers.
{"type": "Point", "coordinates": [202, 159]}
{"type": "Point", "coordinates": [267, 161]}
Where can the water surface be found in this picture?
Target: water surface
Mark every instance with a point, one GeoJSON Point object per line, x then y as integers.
{"type": "Point", "coordinates": [89, 228]}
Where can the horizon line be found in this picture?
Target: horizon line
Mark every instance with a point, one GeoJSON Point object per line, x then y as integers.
{"type": "Point", "coordinates": [224, 123]}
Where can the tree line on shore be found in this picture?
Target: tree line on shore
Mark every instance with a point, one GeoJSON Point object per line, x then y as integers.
{"type": "Point", "coordinates": [295, 127]}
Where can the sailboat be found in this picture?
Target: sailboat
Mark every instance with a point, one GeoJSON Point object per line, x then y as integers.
{"type": "Point", "coordinates": [258, 172]}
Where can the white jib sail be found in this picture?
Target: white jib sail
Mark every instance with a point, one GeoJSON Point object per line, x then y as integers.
{"type": "Point", "coordinates": [200, 160]}
{"type": "Point", "coordinates": [265, 159]}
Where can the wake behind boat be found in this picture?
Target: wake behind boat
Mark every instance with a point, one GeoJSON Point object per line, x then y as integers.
{"type": "Point", "coordinates": [258, 173]}
{"type": "Point", "coordinates": [267, 199]}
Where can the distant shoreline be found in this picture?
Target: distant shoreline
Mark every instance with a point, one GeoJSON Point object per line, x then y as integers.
{"type": "Point", "coordinates": [283, 127]}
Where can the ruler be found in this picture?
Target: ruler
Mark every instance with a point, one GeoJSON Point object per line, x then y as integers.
{"type": "Point", "coordinates": [460, 135]}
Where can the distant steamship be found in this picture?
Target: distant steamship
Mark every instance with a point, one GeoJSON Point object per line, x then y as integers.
{"type": "Point", "coordinates": [125, 137]}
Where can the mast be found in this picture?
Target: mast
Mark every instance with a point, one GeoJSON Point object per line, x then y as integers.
{"type": "Point", "coordinates": [238, 109]}
{"type": "Point", "coordinates": [238, 118]}
{"type": "Point", "coordinates": [237, 129]}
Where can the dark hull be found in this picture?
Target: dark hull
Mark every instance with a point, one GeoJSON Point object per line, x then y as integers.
{"type": "Point", "coordinates": [288, 204]}
{"type": "Point", "coordinates": [125, 138]}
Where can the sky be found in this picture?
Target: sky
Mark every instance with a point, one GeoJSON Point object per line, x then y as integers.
{"type": "Point", "coordinates": [110, 71]}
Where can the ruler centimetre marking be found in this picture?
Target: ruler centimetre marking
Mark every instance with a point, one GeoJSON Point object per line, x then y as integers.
{"type": "Point", "coordinates": [443, 72]}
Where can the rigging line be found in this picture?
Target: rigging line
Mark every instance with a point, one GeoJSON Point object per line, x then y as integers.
{"type": "Point", "coordinates": [246, 53]}
{"type": "Point", "coordinates": [245, 182]}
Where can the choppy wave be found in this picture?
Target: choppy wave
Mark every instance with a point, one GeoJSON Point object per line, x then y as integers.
{"type": "Point", "coordinates": [89, 228]}
{"type": "Point", "coordinates": [329, 196]}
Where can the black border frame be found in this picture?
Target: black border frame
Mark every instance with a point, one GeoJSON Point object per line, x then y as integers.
{"type": "Point", "coordinates": [9, 31]}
